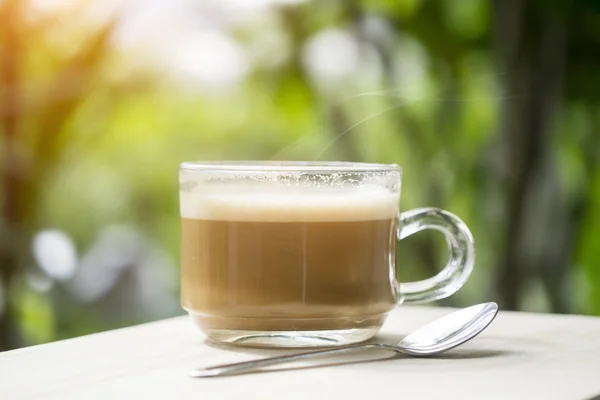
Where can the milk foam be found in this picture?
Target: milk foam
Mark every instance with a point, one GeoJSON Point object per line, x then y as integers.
{"type": "Point", "coordinates": [291, 205]}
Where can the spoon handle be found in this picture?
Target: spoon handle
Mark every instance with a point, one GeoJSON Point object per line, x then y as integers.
{"type": "Point", "coordinates": [228, 369]}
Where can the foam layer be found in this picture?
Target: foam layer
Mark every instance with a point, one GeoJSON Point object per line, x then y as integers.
{"type": "Point", "coordinates": [295, 205]}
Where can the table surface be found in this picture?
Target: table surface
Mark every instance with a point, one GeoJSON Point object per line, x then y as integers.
{"type": "Point", "coordinates": [520, 356]}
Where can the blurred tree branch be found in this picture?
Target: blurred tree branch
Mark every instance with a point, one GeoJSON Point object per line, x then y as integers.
{"type": "Point", "coordinates": [10, 15]}
{"type": "Point", "coordinates": [29, 155]}
{"type": "Point", "coordinates": [538, 47]}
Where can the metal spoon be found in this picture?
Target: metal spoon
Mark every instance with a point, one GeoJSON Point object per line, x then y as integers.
{"type": "Point", "coordinates": [434, 338]}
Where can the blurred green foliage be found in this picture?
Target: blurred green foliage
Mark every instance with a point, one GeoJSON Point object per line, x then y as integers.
{"type": "Point", "coordinates": [490, 107]}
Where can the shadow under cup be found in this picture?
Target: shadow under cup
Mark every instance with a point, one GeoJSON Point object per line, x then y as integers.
{"type": "Point", "coordinates": [302, 254]}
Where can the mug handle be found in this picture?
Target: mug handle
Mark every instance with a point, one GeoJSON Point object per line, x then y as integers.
{"type": "Point", "coordinates": [460, 263]}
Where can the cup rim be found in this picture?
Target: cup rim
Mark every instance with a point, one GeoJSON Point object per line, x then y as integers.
{"type": "Point", "coordinates": [287, 166]}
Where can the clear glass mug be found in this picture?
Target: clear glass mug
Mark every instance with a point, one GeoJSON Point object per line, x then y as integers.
{"type": "Point", "coordinates": [301, 254]}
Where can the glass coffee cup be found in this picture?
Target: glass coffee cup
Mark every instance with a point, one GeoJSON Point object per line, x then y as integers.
{"type": "Point", "coordinates": [303, 254]}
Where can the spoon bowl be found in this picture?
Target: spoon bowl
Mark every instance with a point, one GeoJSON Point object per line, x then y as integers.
{"type": "Point", "coordinates": [437, 337]}
{"type": "Point", "coordinates": [449, 331]}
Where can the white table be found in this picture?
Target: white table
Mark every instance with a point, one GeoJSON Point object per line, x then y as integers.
{"type": "Point", "coordinates": [520, 356]}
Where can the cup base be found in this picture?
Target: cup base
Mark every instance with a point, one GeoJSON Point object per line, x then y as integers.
{"type": "Point", "coordinates": [288, 332]}
{"type": "Point", "coordinates": [292, 339]}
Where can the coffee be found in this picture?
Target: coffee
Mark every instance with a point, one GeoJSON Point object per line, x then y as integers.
{"type": "Point", "coordinates": [288, 259]}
